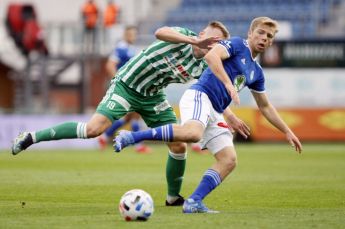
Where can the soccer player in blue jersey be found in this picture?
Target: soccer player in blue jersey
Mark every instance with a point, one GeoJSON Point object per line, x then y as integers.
{"type": "Point", "coordinates": [124, 51]}
{"type": "Point", "coordinates": [231, 67]}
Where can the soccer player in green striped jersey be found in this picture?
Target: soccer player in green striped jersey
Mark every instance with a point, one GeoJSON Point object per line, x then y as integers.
{"type": "Point", "coordinates": [176, 57]}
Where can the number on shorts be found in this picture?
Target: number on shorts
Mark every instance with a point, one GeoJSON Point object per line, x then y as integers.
{"type": "Point", "coordinates": [111, 105]}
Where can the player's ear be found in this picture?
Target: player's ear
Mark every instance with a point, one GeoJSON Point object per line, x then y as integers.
{"type": "Point", "coordinates": [270, 41]}
{"type": "Point", "coordinates": [249, 33]}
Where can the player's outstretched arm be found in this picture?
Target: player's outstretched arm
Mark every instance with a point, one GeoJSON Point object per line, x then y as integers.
{"type": "Point", "coordinates": [214, 60]}
{"type": "Point", "coordinates": [274, 118]}
{"type": "Point", "coordinates": [169, 34]}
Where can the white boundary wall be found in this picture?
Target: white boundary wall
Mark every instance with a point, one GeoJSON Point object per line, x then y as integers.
{"type": "Point", "coordinates": [11, 125]}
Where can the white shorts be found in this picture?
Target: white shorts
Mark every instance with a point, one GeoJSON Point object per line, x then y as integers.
{"type": "Point", "coordinates": [195, 105]}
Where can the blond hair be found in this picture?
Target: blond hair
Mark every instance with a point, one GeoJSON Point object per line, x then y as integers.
{"type": "Point", "coordinates": [221, 27]}
{"type": "Point", "coordinates": [264, 21]}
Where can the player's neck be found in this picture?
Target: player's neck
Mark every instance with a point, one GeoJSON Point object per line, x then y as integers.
{"type": "Point", "coordinates": [252, 52]}
{"type": "Point", "coordinates": [198, 52]}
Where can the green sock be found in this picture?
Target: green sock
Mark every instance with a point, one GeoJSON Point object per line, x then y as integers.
{"type": "Point", "coordinates": [175, 168]}
{"type": "Point", "coordinates": [65, 130]}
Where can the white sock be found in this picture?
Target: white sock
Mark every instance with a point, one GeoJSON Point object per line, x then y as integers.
{"type": "Point", "coordinates": [178, 156]}
{"type": "Point", "coordinates": [172, 199]}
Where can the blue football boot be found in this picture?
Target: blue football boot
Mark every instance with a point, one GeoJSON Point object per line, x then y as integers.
{"type": "Point", "coordinates": [192, 206]}
{"type": "Point", "coordinates": [122, 140]}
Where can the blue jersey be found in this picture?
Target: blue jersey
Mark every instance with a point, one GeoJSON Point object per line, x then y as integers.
{"type": "Point", "coordinates": [242, 69]}
{"type": "Point", "coordinates": [122, 53]}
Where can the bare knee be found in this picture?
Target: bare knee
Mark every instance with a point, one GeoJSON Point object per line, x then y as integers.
{"type": "Point", "coordinates": [178, 147]}
{"type": "Point", "coordinates": [97, 125]}
{"type": "Point", "coordinates": [226, 162]}
{"type": "Point", "coordinates": [230, 163]}
{"type": "Point", "coordinates": [193, 136]}
{"type": "Point", "coordinates": [93, 131]}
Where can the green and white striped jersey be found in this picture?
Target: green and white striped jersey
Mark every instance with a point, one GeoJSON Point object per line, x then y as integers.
{"type": "Point", "coordinates": [161, 64]}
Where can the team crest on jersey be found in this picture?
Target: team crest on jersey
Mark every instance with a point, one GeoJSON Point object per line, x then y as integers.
{"type": "Point", "coordinates": [239, 82]}
{"type": "Point", "coordinates": [196, 71]}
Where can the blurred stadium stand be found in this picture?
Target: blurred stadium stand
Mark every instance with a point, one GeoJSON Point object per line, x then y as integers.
{"type": "Point", "coordinates": [67, 68]}
{"type": "Point", "coordinates": [307, 18]}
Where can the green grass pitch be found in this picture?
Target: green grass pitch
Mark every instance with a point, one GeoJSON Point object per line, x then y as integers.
{"type": "Point", "coordinates": [272, 187]}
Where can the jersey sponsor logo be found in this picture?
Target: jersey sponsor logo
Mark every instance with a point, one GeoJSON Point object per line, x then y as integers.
{"type": "Point", "coordinates": [176, 67]}
{"type": "Point", "coordinates": [180, 53]}
{"type": "Point", "coordinates": [182, 71]}
{"type": "Point", "coordinates": [161, 107]}
{"type": "Point", "coordinates": [239, 82]}
{"type": "Point", "coordinates": [170, 59]}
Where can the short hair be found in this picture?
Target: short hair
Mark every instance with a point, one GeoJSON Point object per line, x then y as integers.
{"type": "Point", "coordinates": [264, 20]}
{"type": "Point", "coordinates": [221, 27]}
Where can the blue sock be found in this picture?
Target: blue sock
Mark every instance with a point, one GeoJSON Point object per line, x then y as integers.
{"type": "Point", "coordinates": [162, 133]}
{"type": "Point", "coordinates": [116, 125]}
{"type": "Point", "coordinates": [210, 181]}
{"type": "Point", "coordinates": [135, 125]}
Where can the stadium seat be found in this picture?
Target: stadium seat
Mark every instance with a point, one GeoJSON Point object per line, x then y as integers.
{"type": "Point", "coordinates": [304, 15]}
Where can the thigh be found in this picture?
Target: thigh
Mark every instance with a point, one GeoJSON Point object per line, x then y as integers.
{"type": "Point", "coordinates": [195, 105]}
{"type": "Point", "coordinates": [216, 135]}
{"type": "Point", "coordinates": [217, 140]}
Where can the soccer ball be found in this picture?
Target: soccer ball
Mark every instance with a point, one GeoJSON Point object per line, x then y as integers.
{"type": "Point", "coordinates": [136, 204]}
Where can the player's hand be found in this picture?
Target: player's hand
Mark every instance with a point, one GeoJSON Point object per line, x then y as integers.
{"type": "Point", "coordinates": [236, 124]}
{"type": "Point", "coordinates": [207, 43]}
{"type": "Point", "coordinates": [233, 93]}
{"type": "Point", "coordinates": [293, 140]}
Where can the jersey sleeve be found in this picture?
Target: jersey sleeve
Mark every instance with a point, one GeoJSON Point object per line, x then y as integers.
{"type": "Point", "coordinates": [184, 31]}
{"type": "Point", "coordinates": [233, 45]}
{"type": "Point", "coordinates": [259, 84]}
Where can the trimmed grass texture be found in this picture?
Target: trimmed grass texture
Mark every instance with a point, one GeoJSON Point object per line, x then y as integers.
{"type": "Point", "coordinates": [272, 187]}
